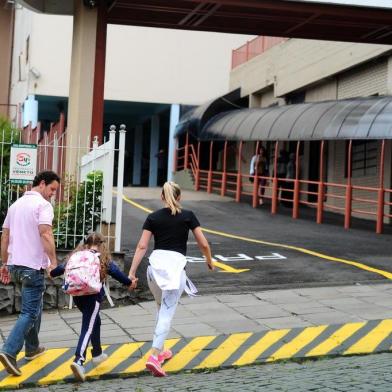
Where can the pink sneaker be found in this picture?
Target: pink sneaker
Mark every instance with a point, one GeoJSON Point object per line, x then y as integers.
{"type": "Point", "coordinates": [164, 356]}
{"type": "Point", "coordinates": [154, 366]}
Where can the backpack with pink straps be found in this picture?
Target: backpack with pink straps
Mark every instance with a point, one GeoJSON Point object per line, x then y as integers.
{"type": "Point", "coordinates": [82, 274]}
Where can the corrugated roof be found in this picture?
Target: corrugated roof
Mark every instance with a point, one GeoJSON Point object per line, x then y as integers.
{"type": "Point", "coordinates": [360, 118]}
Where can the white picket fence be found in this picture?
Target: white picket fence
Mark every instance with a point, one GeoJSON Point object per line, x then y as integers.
{"type": "Point", "coordinates": [80, 193]}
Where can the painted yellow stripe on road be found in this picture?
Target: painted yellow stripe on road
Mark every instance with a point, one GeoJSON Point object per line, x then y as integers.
{"type": "Point", "coordinates": [224, 351]}
{"type": "Point", "coordinates": [137, 205]}
{"type": "Point", "coordinates": [296, 344]}
{"type": "Point", "coordinates": [140, 364]}
{"type": "Point", "coordinates": [63, 371]}
{"type": "Point", "coordinates": [270, 338]}
{"type": "Point", "coordinates": [337, 338]}
{"type": "Point", "coordinates": [33, 367]}
{"type": "Point", "coordinates": [190, 351]}
{"type": "Point", "coordinates": [356, 264]}
{"type": "Point", "coordinates": [370, 342]}
{"type": "Point", "coordinates": [115, 359]}
{"type": "Point", "coordinates": [218, 264]}
{"type": "Point", "coordinates": [227, 268]}
{"type": "Point", "coordinates": [344, 341]}
{"type": "Point", "coordinates": [319, 255]}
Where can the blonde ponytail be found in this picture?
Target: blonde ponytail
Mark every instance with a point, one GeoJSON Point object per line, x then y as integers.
{"type": "Point", "coordinates": [171, 192]}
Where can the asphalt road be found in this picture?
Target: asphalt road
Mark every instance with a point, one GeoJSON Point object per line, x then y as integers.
{"type": "Point", "coordinates": [271, 266]}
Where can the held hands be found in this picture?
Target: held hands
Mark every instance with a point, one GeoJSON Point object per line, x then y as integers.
{"type": "Point", "coordinates": [50, 268]}
{"type": "Point", "coordinates": [134, 280]}
{"type": "Point", "coordinates": [5, 276]}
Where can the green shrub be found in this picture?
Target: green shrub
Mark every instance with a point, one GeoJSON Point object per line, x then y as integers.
{"type": "Point", "coordinates": [8, 193]}
{"type": "Point", "coordinates": [80, 211]}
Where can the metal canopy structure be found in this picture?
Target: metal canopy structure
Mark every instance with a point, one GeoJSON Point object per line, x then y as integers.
{"type": "Point", "coordinates": [195, 119]}
{"type": "Point", "coordinates": [361, 118]}
{"type": "Point", "coordinates": [281, 18]}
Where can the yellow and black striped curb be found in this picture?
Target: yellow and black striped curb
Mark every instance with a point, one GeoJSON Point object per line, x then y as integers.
{"type": "Point", "coordinates": [209, 352]}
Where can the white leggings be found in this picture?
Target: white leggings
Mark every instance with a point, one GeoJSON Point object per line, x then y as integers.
{"type": "Point", "coordinates": [167, 301]}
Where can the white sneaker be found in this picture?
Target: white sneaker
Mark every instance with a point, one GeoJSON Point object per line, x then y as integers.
{"type": "Point", "coordinates": [99, 358]}
{"type": "Point", "coordinates": [78, 371]}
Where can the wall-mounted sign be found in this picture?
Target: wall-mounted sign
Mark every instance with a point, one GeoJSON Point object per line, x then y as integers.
{"type": "Point", "coordinates": [23, 163]}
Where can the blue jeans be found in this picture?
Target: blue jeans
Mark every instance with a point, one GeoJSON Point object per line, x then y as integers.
{"type": "Point", "coordinates": [27, 327]}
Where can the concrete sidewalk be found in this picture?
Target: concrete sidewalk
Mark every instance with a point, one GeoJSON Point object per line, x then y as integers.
{"type": "Point", "coordinates": [220, 331]}
{"type": "Point", "coordinates": [224, 314]}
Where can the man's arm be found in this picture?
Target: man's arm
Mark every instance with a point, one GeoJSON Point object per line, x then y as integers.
{"type": "Point", "coordinates": [47, 239]}
{"type": "Point", "coordinates": [5, 240]}
{"type": "Point", "coordinates": [5, 277]}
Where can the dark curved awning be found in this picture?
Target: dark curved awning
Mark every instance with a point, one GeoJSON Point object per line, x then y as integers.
{"type": "Point", "coordinates": [361, 118]}
{"type": "Point", "coordinates": [195, 119]}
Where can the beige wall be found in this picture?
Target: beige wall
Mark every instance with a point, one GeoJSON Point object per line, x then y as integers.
{"type": "Point", "coordinates": [143, 64]}
{"type": "Point", "coordinates": [296, 64]}
{"type": "Point", "coordinates": [5, 57]}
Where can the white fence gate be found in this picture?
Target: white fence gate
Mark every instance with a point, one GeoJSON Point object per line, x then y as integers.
{"type": "Point", "coordinates": [84, 200]}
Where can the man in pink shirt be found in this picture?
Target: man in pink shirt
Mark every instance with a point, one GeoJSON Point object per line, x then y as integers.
{"type": "Point", "coordinates": [27, 250]}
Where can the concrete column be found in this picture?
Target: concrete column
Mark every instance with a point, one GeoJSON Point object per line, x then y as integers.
{"type": "Point", "coordinates": [137, 155]}
{"type": "Point", "coordinates": [174, 119]}
{"type": "Point", "coordinates": [6, 29]}
{"type": "Point", "coordinates": [99, 74]}
{"type": "Point", "coordinates": [154, 147]}
{"type": "Point", "coordinates": [80, 103]}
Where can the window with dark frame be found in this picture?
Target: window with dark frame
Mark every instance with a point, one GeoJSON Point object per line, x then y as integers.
{"type": "Point", "coordinates": [363, 158]}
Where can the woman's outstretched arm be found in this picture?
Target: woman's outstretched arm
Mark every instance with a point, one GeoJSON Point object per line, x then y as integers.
{"type": "Point", "coordinates": [204, 246]}
{"type": "Point", "coordinates": [141, 250]}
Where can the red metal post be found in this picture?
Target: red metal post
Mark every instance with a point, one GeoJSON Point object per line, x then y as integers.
{"type": "Point", "coordinates": [186, 151]}
{"type": "Point", "coordinates": [296, 184]}
{"type": "Point", "coordinates": [349, 189]}
{"type": "Point", "coordinates": [320, 195]}
{"type": "Point", "coordinates": [99, 73]}
{"type": "Point", "coordinates": [274, 204]}
{"type": "Point", "coordinates": [209, 184]}
{"type": "Point", "coordinates": [224, 174]}
{"type": "Point", "coordinates": [239, 176]}
{"type": "Point", "coordinates": [381, 192]}
{"type": "Point", "coordinates": [197, 180]}
{"type": "Point", "coordinates": [256, 180]}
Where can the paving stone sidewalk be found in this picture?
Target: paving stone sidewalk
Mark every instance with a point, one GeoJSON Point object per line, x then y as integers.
{"type": "Point", "coordinates": [224, 314]}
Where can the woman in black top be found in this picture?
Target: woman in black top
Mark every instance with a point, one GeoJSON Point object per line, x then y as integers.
{"type": "Point", "coordinates": [166, 275]}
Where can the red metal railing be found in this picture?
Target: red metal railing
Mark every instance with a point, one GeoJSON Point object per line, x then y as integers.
{"type": "Point", "coordinates": [253, 48]}
{"type": "Point", "coordinates": [346, 199]}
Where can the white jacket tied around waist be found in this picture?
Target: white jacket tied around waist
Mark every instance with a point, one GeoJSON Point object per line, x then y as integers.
{"type": "Point", "coordinates": [167, 267]}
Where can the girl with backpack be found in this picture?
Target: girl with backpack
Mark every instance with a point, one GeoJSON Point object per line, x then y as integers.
{"type": "Point", "coordinates": [85, 270]}
{"type": "Point", "coordinates": [166, 275]}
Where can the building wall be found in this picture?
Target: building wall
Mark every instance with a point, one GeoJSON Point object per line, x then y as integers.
{"type": "Point", "coordinates": [142, 64]}
{"type": "Point", "coordinates": [5, 58]}
{"type": "Point", "coordinates": [365, 80]}
{"type": "Point", "coordinates": [324, 91]}
{"type": "Point", "coordinates": [324, 71]}
{"type": "Point", "coordinates": [297, 64]}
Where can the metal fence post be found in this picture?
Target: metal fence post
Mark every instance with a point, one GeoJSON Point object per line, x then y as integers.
{"type": "Point", "coordinates": [381, 192]}
{"type": "Point", "coordinates": [108, 179]}
{"type": "Point", "coordinates": [120, 186]}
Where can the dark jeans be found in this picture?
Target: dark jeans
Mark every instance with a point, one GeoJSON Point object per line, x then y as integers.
{"type": "Point", "coordinates": [91, 327]}
{"type": "Point", "coordinates": [27, 326]}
